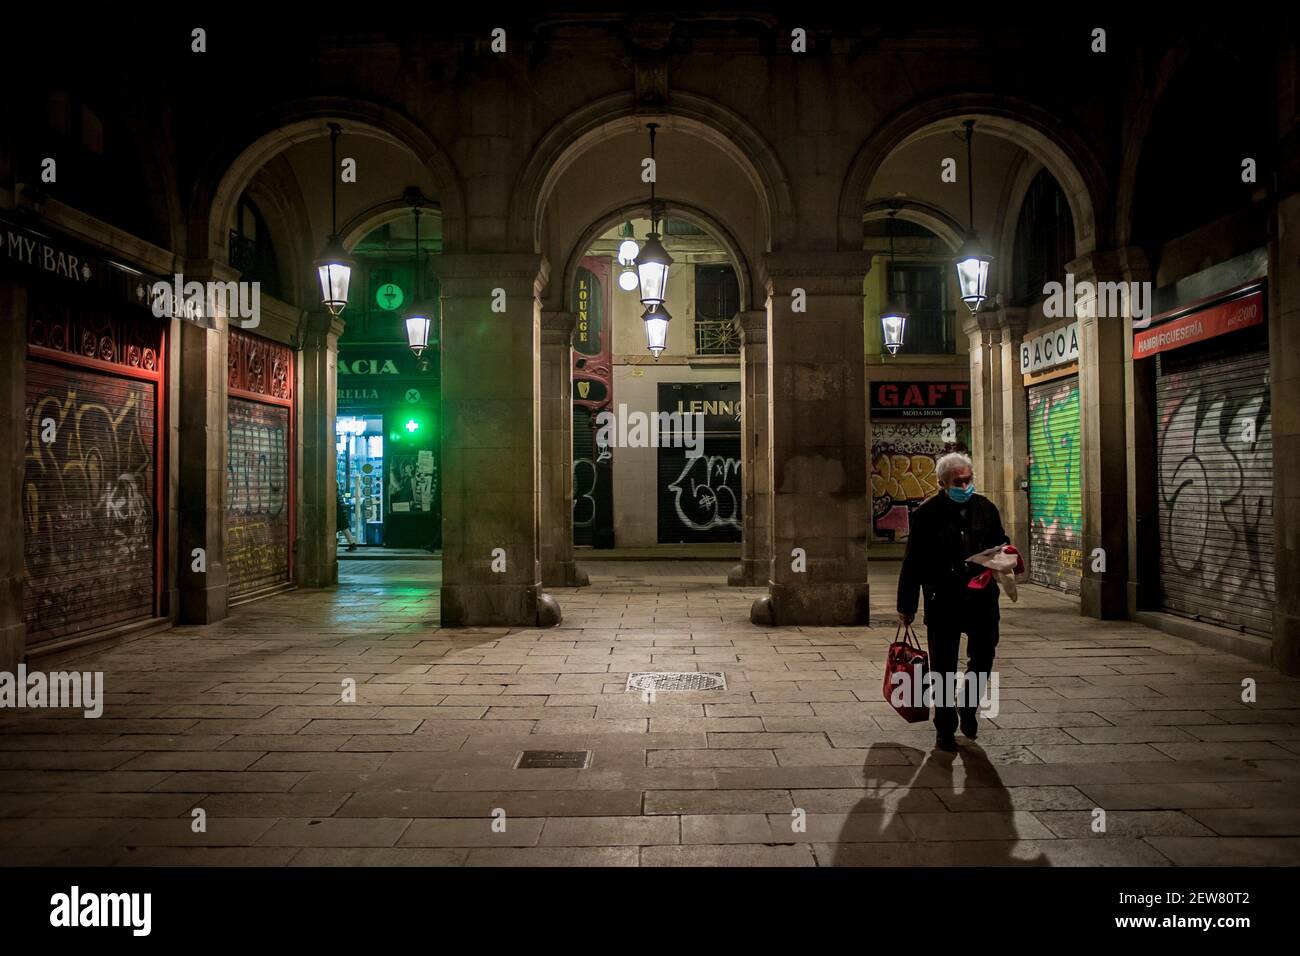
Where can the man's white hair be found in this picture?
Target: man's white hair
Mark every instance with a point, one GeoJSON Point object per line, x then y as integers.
{"type": "Point", "coordinates": [950, 463]}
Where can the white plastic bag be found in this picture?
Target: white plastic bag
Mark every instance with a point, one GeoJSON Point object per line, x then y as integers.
{"type": "Point", "coordinates": [1003, 565]}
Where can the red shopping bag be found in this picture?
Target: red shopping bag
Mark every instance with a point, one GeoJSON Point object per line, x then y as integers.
{"type": "Point", "coordinates": [905, 677]}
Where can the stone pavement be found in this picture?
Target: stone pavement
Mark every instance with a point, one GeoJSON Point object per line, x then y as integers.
{"type": "Point", "coordinates": [244, 720]}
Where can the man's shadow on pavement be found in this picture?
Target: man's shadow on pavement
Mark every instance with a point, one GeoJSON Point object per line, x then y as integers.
{"type": "Point", "coordinates": [926, 784]}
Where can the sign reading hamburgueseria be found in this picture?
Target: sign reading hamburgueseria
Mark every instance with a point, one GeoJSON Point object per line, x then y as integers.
{"type": "Point", "coordinates": [1058, 347]}
{"type": "Point", "coordinates": [1238, 313]}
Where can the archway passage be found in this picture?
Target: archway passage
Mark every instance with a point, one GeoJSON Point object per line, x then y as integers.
{"type": "Point", "coordinates": [388, 425]}
{"type": "Point", "coordinates": [658, 463]}
{"type": "Point", "coordinates": [618, 489]}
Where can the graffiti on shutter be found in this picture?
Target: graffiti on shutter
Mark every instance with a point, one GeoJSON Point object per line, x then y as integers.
{"type": "Point", "coordinates": [257, 476]}
{"type": "Point", "coordinates": [1055, 490]}
{"type": "Point", "coordinates": [903, 458]}
{"type": "Point", "coordinates": [1215, 492]}
{"type": "Point", "coordinates": [88, 501]}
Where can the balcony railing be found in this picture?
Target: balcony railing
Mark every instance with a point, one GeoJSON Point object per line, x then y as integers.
{"type": "Point", "coordinates": [717, 337]}
{"type": "Point", "coordinates": [931, 332]}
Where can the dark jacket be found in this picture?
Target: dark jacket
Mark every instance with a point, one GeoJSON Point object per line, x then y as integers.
{"type": "Point", "coordinates": [938, 545]}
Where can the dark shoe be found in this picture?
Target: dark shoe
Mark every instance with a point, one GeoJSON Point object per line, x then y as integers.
{"type": "Point", "coordinates": [946, 744]}
{"type": "Point", "coordinates": [969, 724]}
{"type": "Point", "coordinates": [352, 546]}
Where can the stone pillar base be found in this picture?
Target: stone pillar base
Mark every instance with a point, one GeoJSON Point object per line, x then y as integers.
{"type": "Point", "coordinates": [750, 573]}
{"type": "Point", "coordinates": [204, 605]}
{"type": "Point", "coordinates": [1286, 643]}
{"type": "Point", "coordinates": [563, 574]}
{"type": "Point", "coordinates": [498, 605]}
{"type": "Point", "coordinates": [1102, 599]}
{"type": "Point", "coordinates": [12, 640]}
{"type": "Point", "coordinates": [813, 604]}
{"type": "Point", "coordinates": [321, 576]}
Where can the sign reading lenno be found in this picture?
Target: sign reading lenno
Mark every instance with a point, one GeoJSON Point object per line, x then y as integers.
{"type": "Point", "coordinates": [1058, 347]}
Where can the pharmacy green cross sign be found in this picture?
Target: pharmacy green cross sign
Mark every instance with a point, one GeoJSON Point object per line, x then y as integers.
{"type": "Point", "coordinates": [389, 297]}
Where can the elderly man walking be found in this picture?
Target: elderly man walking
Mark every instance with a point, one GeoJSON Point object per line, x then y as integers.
{"type": "Point", "coordinates": [946, 530]}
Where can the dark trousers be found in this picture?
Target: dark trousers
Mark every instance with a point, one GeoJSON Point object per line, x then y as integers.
{"type": "Point", "coordinates": [944, 643]}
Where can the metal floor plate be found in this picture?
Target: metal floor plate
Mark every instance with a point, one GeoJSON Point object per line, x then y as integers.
{"type": "Point", "coordinates": [553, 759]}
{"type": "Point", "coordinates": [677, 681]}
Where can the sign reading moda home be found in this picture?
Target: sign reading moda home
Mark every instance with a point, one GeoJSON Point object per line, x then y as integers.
{"type": "Point", "coordinates": [920, 399]}
{"type": "Point", "coordinates": [1049, 350]}
{"type": "Point", "coordinates": [1197, 326]}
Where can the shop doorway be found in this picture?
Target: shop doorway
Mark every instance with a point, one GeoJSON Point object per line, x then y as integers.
{"type": "Point", "coordinates": [359, 465]}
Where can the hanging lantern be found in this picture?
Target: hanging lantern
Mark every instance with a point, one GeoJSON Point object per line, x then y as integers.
{"type": "Point", "coordinates": [334, 266]}
{"type": "Point", "coordinates": [419, 316]}
{"type": "Point", "coordinates": [973, 273]}
{"type": "Point", "coordinates": [893, 317]}
{"type": "Point", "coordinates": [656, 329]}
{"type": "Point", "coordinates": [971, 261]}
{"type": "Point", "coordinates": [417, 330]}
{"type": "Point", "coordinates": [652, 270]}
{"type": "Point", "coordinates": [892, 323]}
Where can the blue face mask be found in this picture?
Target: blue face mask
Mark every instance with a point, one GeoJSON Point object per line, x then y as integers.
{"type": "Point", "coordinates": [962, 495]}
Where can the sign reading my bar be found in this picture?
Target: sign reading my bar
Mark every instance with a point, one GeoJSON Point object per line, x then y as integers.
{"type": "Point", "coordinates": [1058, 347]}
{"type": "Point", "coordinates": [64, 261]}
{"type": "Point", "coordinates": [1238, 313]}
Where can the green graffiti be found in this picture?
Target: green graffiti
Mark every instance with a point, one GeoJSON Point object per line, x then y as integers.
{"type": "Point", "coordinates": [1055, 498]}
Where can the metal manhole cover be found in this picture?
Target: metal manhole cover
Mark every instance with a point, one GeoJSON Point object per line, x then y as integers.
{"type": "Point", "coordinates": [562, 759]}
{"type": "Point", "coordinates": [677, 680]}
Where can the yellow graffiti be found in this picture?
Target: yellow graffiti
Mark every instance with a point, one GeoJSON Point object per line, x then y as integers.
{"type": "Point", "coordinates": [903, 477]}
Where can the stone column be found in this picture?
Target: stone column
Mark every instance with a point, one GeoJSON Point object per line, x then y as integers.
{"type": "Point", "coordinates": [556, 542]}
{"type": "Point", "coordinates": [985, 337]}
{"type": "Point", "coordinates": [317, 562]}
{"type": "Point", "coordinates": [491, 381]}
{"type": "Point", "coordinates": [756, 485]}
{"type": "Point", "coordinates": [1142, 587]}
{"type": "Point", "coordinates": [201, 475]}
{"type": "Point", "coordinates": [1014, 503]}
{"type": "Point", "coordinates": [820, 496]}
{"type": "Point", "coordinates": [1103, 426]}
{"type": "Point", "coordinates": [1284, 396]}
{"type": "Point", "coordinates": [13, 428]}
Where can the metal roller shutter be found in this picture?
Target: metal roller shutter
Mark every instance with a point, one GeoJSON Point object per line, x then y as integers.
{"type": "Point", "coordinates": [88, 500]}
{"type": "Point", "coordinates": [584, 477]}
{"type": "Point", "coordinates": [1055, 492]}
{"type": "Point", "coordinates": [1215, 471]}
{"type": "Point", "coordinates": [257, 495]}
{"type": "Point", "coordinates": [699, 498]}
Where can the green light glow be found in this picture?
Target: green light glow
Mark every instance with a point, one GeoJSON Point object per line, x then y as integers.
{"type": "Point", "coordinates": [412, 425]}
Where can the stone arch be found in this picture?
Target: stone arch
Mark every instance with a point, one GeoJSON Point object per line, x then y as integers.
{"type": "Point", "coordinates": [302, 121]}
{"type": "Point", "coordinates": [1144, 109]}
{"type": "Point", "coordinates": [368, 220]}
{"type": "Point", "coordinates": [616, 115]}
{"type": "Point", "coordinates": [924, 214]}
{"type": "Point", "coordinates": [612, 217]}
{"type": "Point", "coordinates": [1017, 189]}
{"type": "Point", "coordinates": [277, 196]}
{"type": "Point", "coordinates": [1039, 133]}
